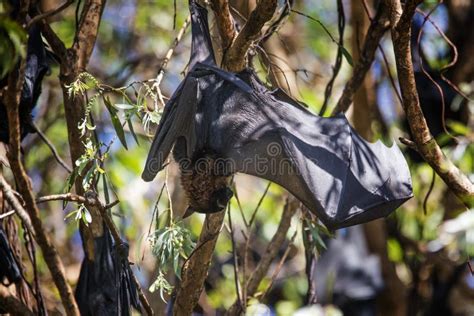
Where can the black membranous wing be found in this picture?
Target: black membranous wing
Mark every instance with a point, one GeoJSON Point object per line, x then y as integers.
{"type": "Point", "coordinates": [106, 285]}
{"type": "Point", "coordinates": [9, 270]}
{"type": "Point", "coordinates": [177, 121]}
{"type": "Point", "coordinates": [179, 112]}
{"type": "Point", "coordinates": [340, 177]}
{"type": "Point", "coordinates": [201, 45]}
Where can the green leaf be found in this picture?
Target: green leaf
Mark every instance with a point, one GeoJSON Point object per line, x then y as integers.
{"type": "Point", "coordinates": [130, 126]}
{"type": "Point", "coordinates": [116, 122]}
{"type": "Point", "coordinates": [123, 106]}
{"type": "Point", "coordinates": [458, 127]}
{"type": "Point", "coordinates": [347, 55]}
{"type": "Point", "coordinates": [69, 183]}
{"type": "Point", "coordinates": [13, 39]}
{"type": "Point", "coordinates": [73, 213]}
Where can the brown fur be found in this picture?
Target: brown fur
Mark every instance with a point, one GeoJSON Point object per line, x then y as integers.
{"type": "Point", "coordinates": [201, 180]}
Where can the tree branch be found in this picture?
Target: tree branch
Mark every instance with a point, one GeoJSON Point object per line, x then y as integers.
{"type": "Point", "coordinates": [196, 268]}
{"type": "Point", "coordinates": [270, 254]}
{"type": "Point", "coordinates": [15, 204]}
{"type": "Point", "coordinates": [49, 13]}
{"type": "Point", "coordinates": [57, 45]}
{"type": "Point", "coordinates": [235, 58]}
{"type": "Point", "coordinates": [72, 65]}
{"type": "Point", "coordinates": [51, 147]}
{"type": "Point", "coordinates": [225, 23]}
{"type": "Point", "coordinates": [377, 29]}
{"type": "Point", "coordinates": [50, 254]}
{"type": "Point", "coordinates": [425, 143]}
{"type": "Point", "coordinates": [86, 34]}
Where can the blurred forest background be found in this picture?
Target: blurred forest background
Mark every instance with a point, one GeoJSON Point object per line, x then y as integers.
{"type": "Point", "coordinates": [421, 251]}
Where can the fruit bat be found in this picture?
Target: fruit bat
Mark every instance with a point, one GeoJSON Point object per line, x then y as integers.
{"type": "Point", "coordinates": [37, 66]}
{"type": "Point", "coordinates": [353, 274]}
{"type": "Point", "coordinates": [106, 285]}
{"type": "Point", "coordinates": [218, 123]}
{"type": "Point", "coordinates": [9, 270]}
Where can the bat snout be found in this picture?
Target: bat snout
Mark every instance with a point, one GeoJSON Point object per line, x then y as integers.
{"type": "Point", "coordinates": [222, 198]}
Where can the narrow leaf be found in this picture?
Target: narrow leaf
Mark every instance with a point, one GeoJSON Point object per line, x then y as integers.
{"type": "Point", "coordinates": [116, 122]}
{"type": "Point", "coordinates": [130, 126]}
{"type": "Point", "coordinates": [347, 55]}
{"type": "Point", "coordinates": [123, 106]}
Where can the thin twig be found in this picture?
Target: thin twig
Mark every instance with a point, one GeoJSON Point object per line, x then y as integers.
{"type": "Point", "coordinates": [14, 203]}
{"type": "Point", "coordinates": [49, 13]}
{"type": "Point", "coordinates": [235, 255]}
{"type": "Point", "coordinates": [384, 56]}
{"type": "Point", "coordinates": [271, 252]}
{"type": "Point", "coordinates": [5, 215]}
{"type": "Point", "coordinates": [252, 219]}
{"type": "Point", "coordinates": [70, 197]}
{"type": "Point", "coordinates": [279, 266]}
{"type": "Point", "coordinates": [426, 73]}
{"type": "Point", "coordinates": [236, 195]}
{"type": "Point", "coordinates": [411, 144]}
{"type": "Point", "coordinates": [428, 193]}
{"type": "Point", "coordinates": [167, 58]}
{"type": "Point", "coordinates": [341, 23]}
{"type": "Point", "coordinates": [374, 34]}
{"type": "Point", "coordinates": [389, 73]}
{"type": "Point", "coordinates": [269, 65]}
{"type": "Point", "coordinates": [455, 54]}
{"type": "Point", "coordinates": [52, 148]}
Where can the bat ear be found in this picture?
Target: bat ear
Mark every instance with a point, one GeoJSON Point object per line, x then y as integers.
{"type": "Point", "coordinates": [201, 47]}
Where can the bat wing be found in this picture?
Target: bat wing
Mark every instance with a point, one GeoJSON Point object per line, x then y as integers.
{"type": "Point", "coordinates": [105, 285]}
{"type": "Point", "coordinates": [9, 270]}
{"type": "Point", "coordinates": [179, 114]}
{"type": "Point", "coordinates": [339, 176]}
{"type": "Point", "coordinates": [201, 45]}
{"type": "Point", "coordinates": [177, 121]}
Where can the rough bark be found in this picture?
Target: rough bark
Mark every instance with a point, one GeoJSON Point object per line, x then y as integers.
{"type": "Point", "coordinates": [236, 56]}
{"type": "Point", "coordinates": [225, 23]}
{"type": "Point", "coordinates": [74, 61]}
{"type": "Point", "coordinates": [196, 268]}
{"type": "Point", "coordinates": [426, 145]}
{"type": "Point", "coordinates": [50, 253]}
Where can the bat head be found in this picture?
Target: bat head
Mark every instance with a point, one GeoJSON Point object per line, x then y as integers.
{"type": "Point", "coordinates": [220, 199]}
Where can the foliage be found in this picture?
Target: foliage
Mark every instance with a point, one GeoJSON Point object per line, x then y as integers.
{"type": "Point", "coordinates": [124, 102]}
